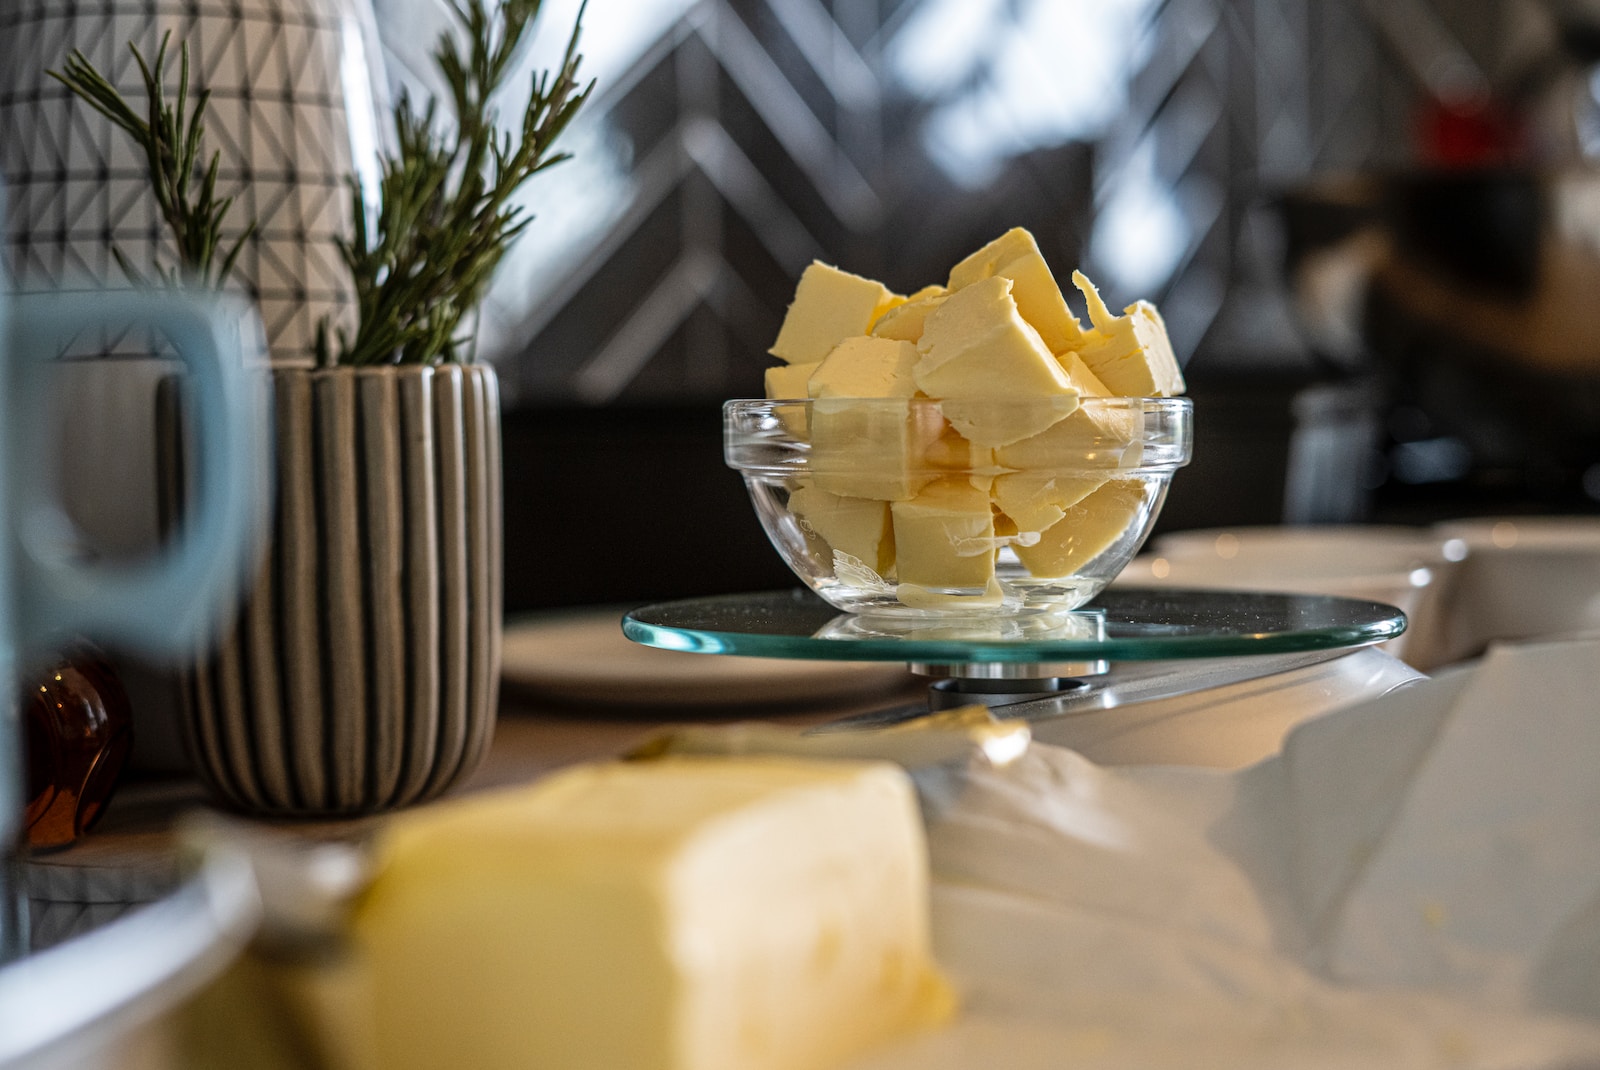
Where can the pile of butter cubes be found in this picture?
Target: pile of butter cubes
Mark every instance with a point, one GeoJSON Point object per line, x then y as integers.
{"type": "Point", "coordinates": [1001, 451]}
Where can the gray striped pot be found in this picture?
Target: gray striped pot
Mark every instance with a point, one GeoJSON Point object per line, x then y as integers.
{"type": "Point", "coordinates": [362, 672]}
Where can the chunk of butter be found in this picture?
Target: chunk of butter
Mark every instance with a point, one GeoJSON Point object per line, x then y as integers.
{"type": "Point", "coordinates": [865, 367]}
{"type": "Point", "coordinates": [1015, 255]}
{"type": "Point", "coordinates": [951, 452]}
{"type": "Point", "coordinates": [866, 441]}
{"type": "Point", "coordinates": [872, 447]}
{"type": "Point", "coordinates": [829, 306]}
{"type": "Point", "coordinates": [787, 381]}
{"type": "Point", "coordinates": [681, 914]}
{"type": "Point", "coordinates": [858, 527]}
{"type": "Point", "coordinates": [1092, 436]}
{"type": "Point", "coordinates": [1086, 531]}
{"type": "Point", "coordinates": [977, 351]}
{"type": "Point", "coordinates": [906, 321]}
{"type": "Point", "coordinates": [1035, 501]}
{"type": "Point", "coordinates": [944, 537]}
{"type": "Point", "coordinates": [1130, 353]}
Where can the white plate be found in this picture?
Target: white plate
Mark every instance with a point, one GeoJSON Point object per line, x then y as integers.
{"type": "Point", "coordinates": [583, 657]}
{"type": "Point", "coordinates": [1411, 568]}
{"type": "Point", "coordinates": [1526, 577]}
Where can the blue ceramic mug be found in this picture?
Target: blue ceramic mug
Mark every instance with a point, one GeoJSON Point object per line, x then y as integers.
{"type": "Point", "coordinates": [48, 594]}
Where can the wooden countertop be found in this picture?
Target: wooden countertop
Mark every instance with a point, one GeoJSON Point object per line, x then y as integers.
{"type": "Point", "coordinates": [532, 738]}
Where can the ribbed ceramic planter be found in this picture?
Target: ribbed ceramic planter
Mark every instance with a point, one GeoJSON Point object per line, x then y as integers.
{"type": "Point", "coordinates": [362, 673]}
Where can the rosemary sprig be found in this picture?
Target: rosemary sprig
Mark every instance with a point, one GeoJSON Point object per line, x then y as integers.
{"type": "Point", "coordinates": [170, 136]}
{"type": "Point", "coordinates": [445, 217]}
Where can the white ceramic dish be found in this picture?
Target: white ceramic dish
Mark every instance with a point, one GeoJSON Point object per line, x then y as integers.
{"type": "Point", "coordinates": [1413, 569]}
{"type": "Point", "coordinates": [1525, 577]}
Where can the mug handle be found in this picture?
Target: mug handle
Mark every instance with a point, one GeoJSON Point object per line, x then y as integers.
{"type": "Point", "coordinates": [167, 605]}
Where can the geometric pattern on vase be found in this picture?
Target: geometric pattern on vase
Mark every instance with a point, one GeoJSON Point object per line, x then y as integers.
{"type": "Point", "coordinates": [294, 89]}
{"type": "Point", "coordinates": [361, 672]}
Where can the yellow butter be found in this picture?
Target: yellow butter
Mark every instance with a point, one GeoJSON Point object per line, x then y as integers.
{"type": "Point", "coordinates": [1086, 530]}
{"type": "Point", "coordinates": [857, 527]}
{"type": "Point", "coordinates": [1093, 436]}
{"type": "Point", "coordinates": [906, 321]}
{"type": "Point", "coordinates": [950, 452]}
{"type": "Point", "coordinates": [787, 381]}
{"type": "Point", "coordinates": [866, 441]}
{"type": "Point", "coordinates": [681, 914]}
{"type": "Point", "coordinates": [871, 448]}
{"type": "Point", "coordinates": [1015, 255]}
{"type": "Point", "coordinates": [1130, 353]}
{"type": "Point", "coordinates": [865, 367]}
{"type": "Point", "coordinates": [829, 306]}
{"type": "Point", "coordinates": [977, 351]}
{"type": "Point", "coordinates": [1035, 501]}
{"type": "Point", "coordinates": [944, 537]}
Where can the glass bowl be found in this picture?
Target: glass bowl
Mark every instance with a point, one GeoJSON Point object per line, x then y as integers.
{"type": "Point", "coordinates": [915, 507]}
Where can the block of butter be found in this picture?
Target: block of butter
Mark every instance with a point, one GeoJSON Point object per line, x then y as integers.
{"type": "Point", "coordinates": [996, 378]}
{"type": "Point", "coordinates": [944, 537]}
{"type": "Point", "coordinates": [690, 913]}
{"type": "Point", "coordinates": [829, 306]}
{"type": "Point", "coordinates": [1015, 255]}
{"type": "Point", "coordinates": [1130, 353]}
{"type": "Point", "coordinates": [1087, 529]}
{"type": "Point", "coordinates": [865, 441]}
{"type": "Point", "coordinates": [855, 527]}
{"type": "Point", "coordinates": [905, 321]}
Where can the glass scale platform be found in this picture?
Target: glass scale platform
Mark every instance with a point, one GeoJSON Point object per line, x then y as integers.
{"type": "Point", "coordinates": [1128, 645]}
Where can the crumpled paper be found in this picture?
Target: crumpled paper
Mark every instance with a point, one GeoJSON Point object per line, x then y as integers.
{"type": "Point", "coordinates": [1413, 882]}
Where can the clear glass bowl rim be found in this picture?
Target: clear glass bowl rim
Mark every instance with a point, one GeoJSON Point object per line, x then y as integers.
{"type": "Point", "coordinates": [1168, 432]}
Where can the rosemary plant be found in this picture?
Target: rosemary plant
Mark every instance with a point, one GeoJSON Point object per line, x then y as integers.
{"type": "Point", "coordinates": [169, 135]}
{"type": "Point", "coordinates": [445, 215]}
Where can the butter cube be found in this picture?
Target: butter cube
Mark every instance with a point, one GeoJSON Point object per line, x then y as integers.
{"type": "Point", "coordinates": [944, 537]}
{"type": "Point", "coordinates": [1087, 530]}
{"type": "Point", "coordinates": [891, 300]}
{"type": "Point", "coordinates": [976, 351]}
{"type": "Point", "coordinates": [1092, 436]}
{"type": "Point", "coordinates": [1130, 353]}
{"type": "Point", "coordinates": [906, 321]}
{"type": "Point", "coordinates": [1015, 255]}
{"type": "Point", "coordinates": [1035, 501]}
{"type": "Point", "coordinates": [786, 381]}
{"type": "Point", "coordinates": [865, 367]}
{"type": "Point", "coordinates": [857, 527]}
{"type": "Point", "coordinates": [680, 914]}
{"type": "Point", "coordinates": [867, 441]}
{"type": "Point", "coordinates": [951, 452]}
{"type": "Point", "coordinates": [995, 422]}
{"type": "Point", "coordinates": [829, 306]}
{"type": "Point", "coordinates": [871, 448]}
{"type": "Point", "coordinates": [1097, 426]}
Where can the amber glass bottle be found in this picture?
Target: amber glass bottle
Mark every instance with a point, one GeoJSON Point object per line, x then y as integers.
{"type": "Point", "coordinates": [79, 729]}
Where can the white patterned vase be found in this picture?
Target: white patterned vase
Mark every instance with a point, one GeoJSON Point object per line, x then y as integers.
{"type": "Point", "coordinates": [296, 87]}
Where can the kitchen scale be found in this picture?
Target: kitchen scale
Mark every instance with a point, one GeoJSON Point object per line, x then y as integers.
{"type": "Point", "coordinates": [1201, 677]}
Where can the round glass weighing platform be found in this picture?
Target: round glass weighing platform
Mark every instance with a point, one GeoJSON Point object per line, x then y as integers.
{"type": "Point", "coordinates": [1136, 624]}
{"type": "Point", "coordinates": [1190, 677]}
